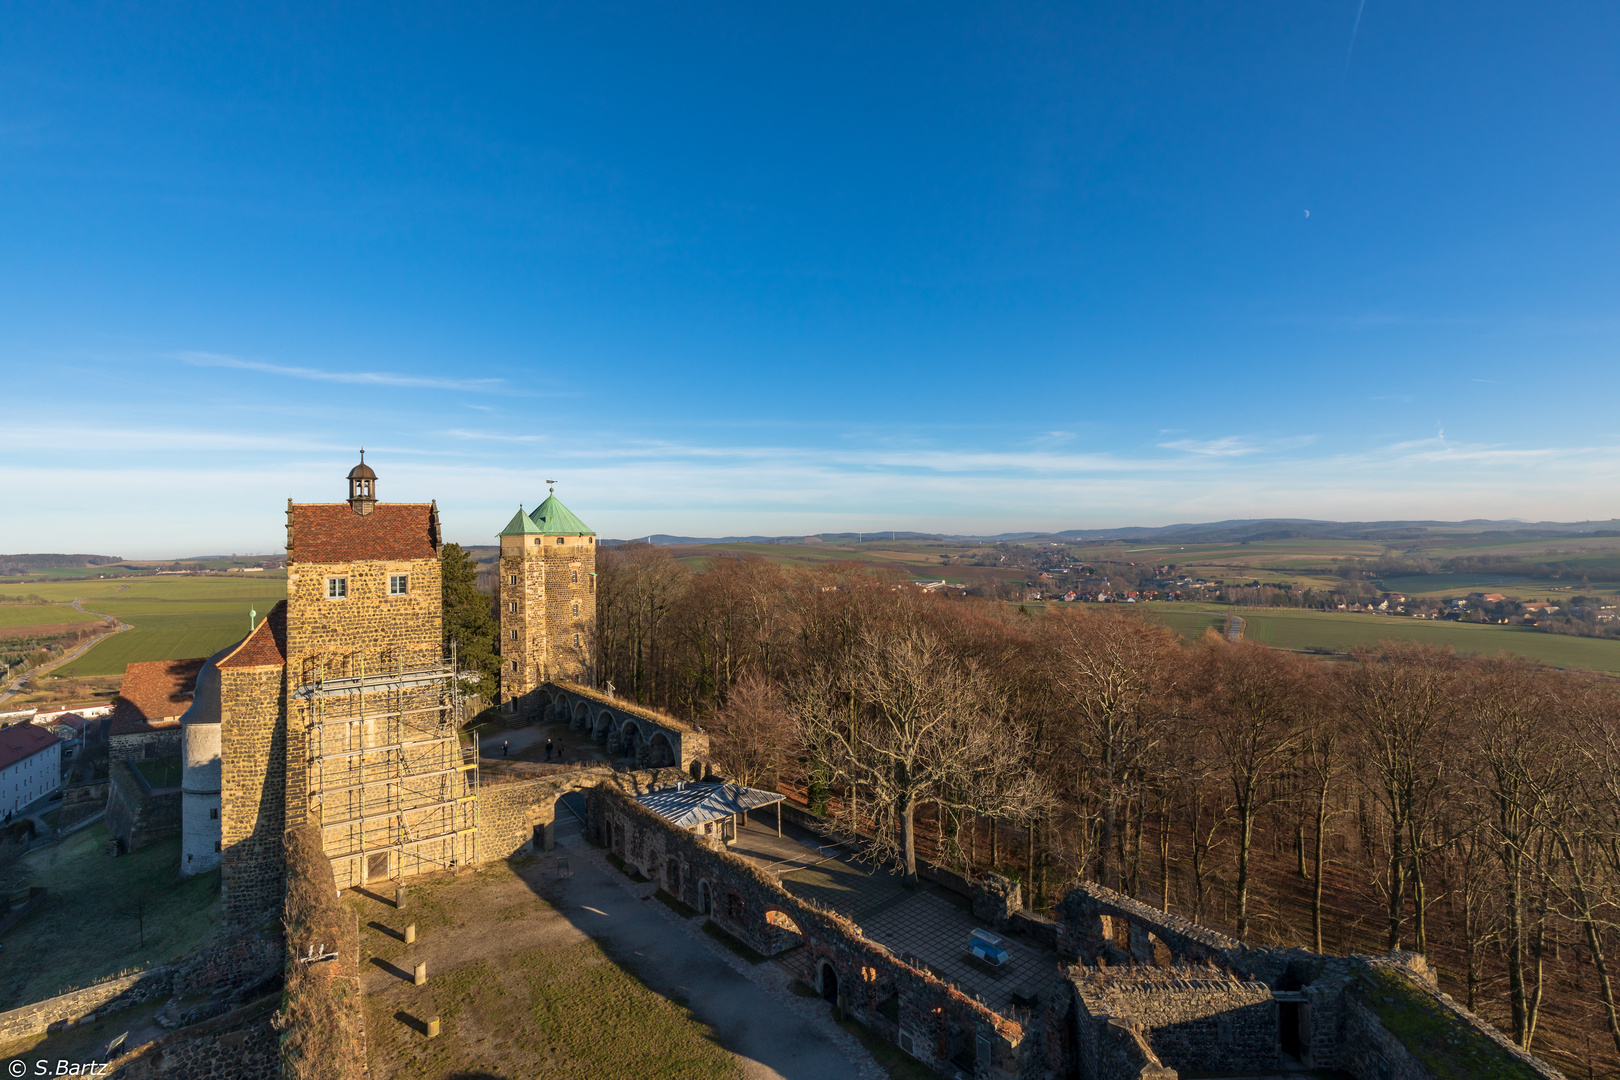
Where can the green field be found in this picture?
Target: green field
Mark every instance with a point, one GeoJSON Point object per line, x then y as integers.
{"type": "Point", "coordinates": [41, 615]}
{"type": "Point", "coordinates": [172, 618]}
{"type": "Point", "coordinates": [92, 928]}
{"type": "Point", "coordinates": [1340, 631]}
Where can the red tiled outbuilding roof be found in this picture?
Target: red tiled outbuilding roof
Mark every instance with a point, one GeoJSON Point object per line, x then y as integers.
{"type": "Point", "coordinates": [21, 741]}
{"type": "Point", "coordinates": [333, 532]}
{"type": "Point", "coordinates": [265, 647]}
{"type": "Point", "coordinates": [154, 694]}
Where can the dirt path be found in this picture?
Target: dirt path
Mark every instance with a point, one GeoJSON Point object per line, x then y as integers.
{"type": "Point", "coordinates": [1234, 628]}
{"type": "Point", "coordinates": [15, 685]}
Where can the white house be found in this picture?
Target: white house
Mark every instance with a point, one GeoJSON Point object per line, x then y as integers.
{"type": "Point", "coordinates": [30, 765]}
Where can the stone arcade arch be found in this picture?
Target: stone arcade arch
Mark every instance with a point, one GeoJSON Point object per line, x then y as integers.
{"type": "Point", "coordinates": [659, 753]}
{"type": "Point", "coordinates": [828, 977]}
{"type": "Point", "coordinates": [631, 740]}
{"type": "Point", "coordinates": [602, 730]}
{"type": "Point", "coordinates": [581, 720]}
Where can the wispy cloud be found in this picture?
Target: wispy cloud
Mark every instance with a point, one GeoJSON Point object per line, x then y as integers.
{"type": "Point", "coordinates": [359, 378]}
{"type": "Point", "coordinates": [1230, 446]}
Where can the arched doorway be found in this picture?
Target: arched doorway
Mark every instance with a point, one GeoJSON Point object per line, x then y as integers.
{"type": "Point", "coordinates": [659, 753]}
{"type": "Point", "coordinates": [672, 877]}
{"type": "Point", "coordinates": [696, 770]}
{"type": "Point", "coordinates": [630, 741]}
{"type": "Point", "coordinates": [829, 983]}
{"type": "Point", "coordinates": [703, 898]}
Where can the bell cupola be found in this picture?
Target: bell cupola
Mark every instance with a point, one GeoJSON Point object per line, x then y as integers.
{"type": "Point", "coordinates": [362, 487]}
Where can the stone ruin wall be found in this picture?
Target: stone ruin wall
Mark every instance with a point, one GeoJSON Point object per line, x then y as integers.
{"type": "Point", "coordinates": [1154, 979]}
{"type": "Point", "coordinates": [948, 1030]}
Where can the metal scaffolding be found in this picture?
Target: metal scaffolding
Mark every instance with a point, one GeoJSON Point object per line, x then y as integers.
{"type": "Point", "coordinates": [395, 792]}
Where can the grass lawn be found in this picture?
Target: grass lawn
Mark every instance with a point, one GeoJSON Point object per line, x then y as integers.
{"type": "Point", "coordinates": [89, 921]}
{"type": "Point", "coordinates": [518, 993]}
{"type": "Point", "coordinates": [1340, 631]}
{"type": "Point", "coordinates": [160, 772]}
{"type": "Point", "coordinates": [176, 636]}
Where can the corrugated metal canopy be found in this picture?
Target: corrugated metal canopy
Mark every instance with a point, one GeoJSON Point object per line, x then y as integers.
{"type": "Point", "coordinates": [691, 805]}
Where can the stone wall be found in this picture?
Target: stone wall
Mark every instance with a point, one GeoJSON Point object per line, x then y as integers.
{"type": "Point", "coordinates": [136, 816]}
{"type": "Point", "coordinates": [654, 739]}
{"type": "Point", "coordinates": [74, 1006]}
{"type": "Point", "coordinates": [928, 1018]}
{"type": "Point", "coordinates": [81, 801]}
{"type": "Point", "coordinates": [235, 1047]}
{"type": "Point", "coordinates": [547, 598]}
{"type": "Point", "coordinates": [1195, 1019]}
{"type": "Point", "coordinates": [137, 745]}
{"type": "Point", "coordinates": [253, 766]}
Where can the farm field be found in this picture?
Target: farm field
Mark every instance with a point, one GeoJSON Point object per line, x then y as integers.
{"type": "Point", "coordinates": [171, 618]}
{"type": "Point", "coordinates": [42, 615]}
{"type": "Point", "coordinates": [1339, 631]}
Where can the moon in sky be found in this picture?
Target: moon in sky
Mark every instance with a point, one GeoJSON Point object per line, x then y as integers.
{"type": "Point", "coordinates": [1307, 213]}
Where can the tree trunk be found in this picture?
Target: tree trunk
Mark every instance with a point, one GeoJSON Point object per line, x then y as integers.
{"type": "Point", "coordinates": [1245, 844]}
{"type": "Point", "coordinates": [908, 838]}
{"type": "Point", "coordinates": [1316, 869]}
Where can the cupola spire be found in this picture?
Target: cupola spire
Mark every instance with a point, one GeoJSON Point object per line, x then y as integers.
{"type": "Point", "coordinates": [362, 487]}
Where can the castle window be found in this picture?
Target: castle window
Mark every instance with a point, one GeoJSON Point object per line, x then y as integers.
{"type": "Point", "coordinates": [559, 539]}
{"type": "Point", "coordinates": [576, 607]}
{"type": "Point", "coordinates": [514, 634]}
{"type": "Point", "coordinates": [511, 605]}
{"type": "Point", "coordinates": [213, 813]}
{"type": "Point", "coordinates": [514, 665]}
{"type": "Point", "coordinates": [512, 580]}
{"type": "Point", "coordinates": [337, 588]}
{"type": "Point", "coordinates": [216, 845]}
{"type": "Point", "coordinates": [399, 584]}
{"type": "Point", "coordinates": [537, 541]}
{"type": "Point", "coordinates": [576, 641]}
{"type": "Point", "coordinates": [576, 577]}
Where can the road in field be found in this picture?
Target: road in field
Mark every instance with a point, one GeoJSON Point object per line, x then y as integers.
{"type": "Point", "coordinates": [15, 685]}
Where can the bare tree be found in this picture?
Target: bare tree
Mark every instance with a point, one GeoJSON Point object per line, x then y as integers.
{"type": "Point", "coordinates": [925, 727]}
{"type": "Point", "coordinates": [1253, 701]}
{"type": "Point", "coordinates": [752, 734]}
{"type": "Point", "coordinates": [1400, 698]}
{"type": "Point", "coordinates": [1118, 676]}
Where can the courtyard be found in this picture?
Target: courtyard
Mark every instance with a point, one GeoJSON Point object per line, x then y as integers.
{"type": "Point", "coordinates": [558, 964]}
{"type": "Point", "coordinates": [928, 926]}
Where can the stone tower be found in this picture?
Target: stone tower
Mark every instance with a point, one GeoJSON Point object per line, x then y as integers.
{"type": "Point", "coordinates": [548, 602]}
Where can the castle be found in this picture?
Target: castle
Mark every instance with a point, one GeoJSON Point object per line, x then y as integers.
{"type": "Point", "coordinates": [343, 706]}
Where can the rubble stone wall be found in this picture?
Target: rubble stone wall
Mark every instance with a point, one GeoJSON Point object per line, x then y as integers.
{"type": "Point", "coordinates": [135, 816]}
{"type": "Point", "coordinates": [942, 1027]}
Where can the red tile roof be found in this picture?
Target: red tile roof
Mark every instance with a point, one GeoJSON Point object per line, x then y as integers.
{"type": "Point", "coordinates": [265, 647]}
{"type": "Point", "coordinates": [152, 691]}
{"type": "Point", "coordinates": [21, 741]}
{"type": "Point", "coordinates": [331, 532]}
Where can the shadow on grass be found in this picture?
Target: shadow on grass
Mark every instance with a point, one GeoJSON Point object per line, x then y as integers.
{"type": "Point", "coordinates": [389, 900]}
{"type": "Point", "coordinates": [392, 970]}
{"type": "Point", "coordinates": [418, 1026]}
{"type": "Point", "coordinates": [383, 928]}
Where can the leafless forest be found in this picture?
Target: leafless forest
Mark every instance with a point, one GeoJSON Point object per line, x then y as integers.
{"type": "Point", "coordinates": [1464, 807]}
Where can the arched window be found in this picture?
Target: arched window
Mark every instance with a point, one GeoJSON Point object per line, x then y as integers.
{"type": "Point", "coordinates": [559, 539]}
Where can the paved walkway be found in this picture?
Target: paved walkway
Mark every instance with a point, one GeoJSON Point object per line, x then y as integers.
{"type": "Point", "coordinates": [776, 1034]}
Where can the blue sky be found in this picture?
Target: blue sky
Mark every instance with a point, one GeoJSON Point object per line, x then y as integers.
{"type": "Point", "coordinates": [787, 268]}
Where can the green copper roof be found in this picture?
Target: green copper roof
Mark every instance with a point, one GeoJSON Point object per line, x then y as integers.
{"type": "Point", "coordinates": [555, 519]}
{"type": "Point", "coordinates": [520, 525]}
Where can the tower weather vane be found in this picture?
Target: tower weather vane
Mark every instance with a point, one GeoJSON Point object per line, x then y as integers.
{"type": "Point", "coordinates": [551, 489]}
